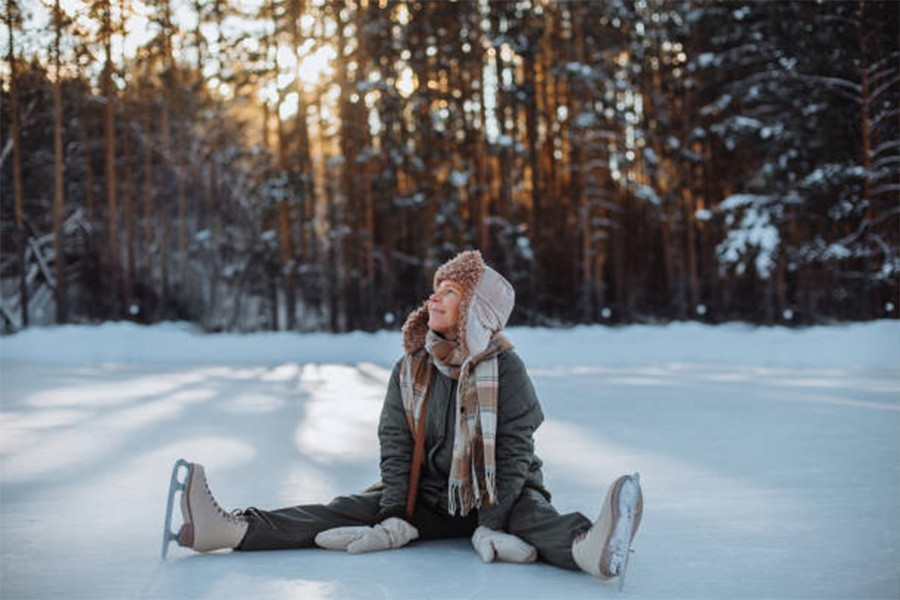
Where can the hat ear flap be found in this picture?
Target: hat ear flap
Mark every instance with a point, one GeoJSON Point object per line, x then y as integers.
{"type": "Point", "coordinates": [488, 310]}
{"type": "Point", "coordinates": [415, 329]}
{"type": "Point", "coordinates": [477, 332]}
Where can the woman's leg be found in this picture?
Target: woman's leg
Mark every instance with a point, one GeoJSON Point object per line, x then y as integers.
{"type": "Point", "coordinates": [534, 519]}
{"type": "Point", "coordinates": [297, 526]}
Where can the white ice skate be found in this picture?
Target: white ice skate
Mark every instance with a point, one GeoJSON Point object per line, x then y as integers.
{"type": "Point", "coordinates": [206, 526]}
{"type": "Point", "coordinates": [605, 548]}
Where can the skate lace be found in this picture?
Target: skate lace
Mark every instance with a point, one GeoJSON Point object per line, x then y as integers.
{"type": "Point", "coordinates": [232, 517]}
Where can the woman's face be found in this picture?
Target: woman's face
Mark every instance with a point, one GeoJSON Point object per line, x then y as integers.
{"type": "Point", "coordinates": [443, 309]}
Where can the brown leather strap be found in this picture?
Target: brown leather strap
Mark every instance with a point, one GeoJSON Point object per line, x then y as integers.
{"type": "Point", "coordinates": [417, 458]}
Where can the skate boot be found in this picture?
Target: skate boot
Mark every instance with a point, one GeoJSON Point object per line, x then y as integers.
{"type": "Point", "coordinates": [206, 525]}
{"type": "Point", "coordinates": [603, 549]}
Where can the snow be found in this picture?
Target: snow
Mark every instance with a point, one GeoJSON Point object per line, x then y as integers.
{"type": "Point", "coordinates": [585, 120]}
{"type": "Point", "coordinates": [768, 459]}
{"type": "Point", "coordinates": [706, 59]}
{"type": "Point", "coordinates": [459, 178]}
{"type": "Point", "coordinates": [580, 69]}
{"type": "Point", "coordinates": [647, 193]}
{"type": "Point", "coordinates": [837, 251]}
{"type": "Point", "coordinates": [703, 214]}
{"type": "Point", "coordinates": [736, 201]}
{"type": "Point", "coordinates": [756, 233]}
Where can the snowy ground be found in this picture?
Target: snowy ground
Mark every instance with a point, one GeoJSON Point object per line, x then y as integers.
{"type": "Point", "coordinates": [770, 459]}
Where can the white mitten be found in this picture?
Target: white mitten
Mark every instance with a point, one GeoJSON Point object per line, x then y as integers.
{"type": "Point", "coordinates": [390, 533]}
{"type": "Point", "coordinates": [491, 544]}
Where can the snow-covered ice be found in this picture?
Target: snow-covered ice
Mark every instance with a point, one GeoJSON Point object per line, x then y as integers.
{"type": "Point", "coordinates": [769, 459]}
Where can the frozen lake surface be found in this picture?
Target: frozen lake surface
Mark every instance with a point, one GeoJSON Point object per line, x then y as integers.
{"type": "Point", "coordinates": [769, 458]}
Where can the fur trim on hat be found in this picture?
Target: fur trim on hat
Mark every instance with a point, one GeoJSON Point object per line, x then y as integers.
{"type": "Point", "coordinates": [415, 329]}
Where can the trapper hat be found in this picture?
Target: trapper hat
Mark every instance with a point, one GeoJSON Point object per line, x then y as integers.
{"type": "Point", "coordinates": [487, 302]}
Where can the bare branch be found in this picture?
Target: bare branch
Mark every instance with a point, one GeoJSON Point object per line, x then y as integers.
{"type": "Point", "coordinates": [832, 81]}
{"type": "Point", "coordinates": [882, 88]}
{"type": "Point", "coordinates": [882, 116]}
{"type": "Point", "coordinates": [886, 161]}
{"type": "Point", "coordinates": [890, 187]}
{"type": "Point", "coordinates": [888, 145]}
{"type": "Point", "coordinates": [7, 147]}
{"type": "Point", "coordinates": [891, 213]}
{"type": "Point", "coordinates": [890, 58]}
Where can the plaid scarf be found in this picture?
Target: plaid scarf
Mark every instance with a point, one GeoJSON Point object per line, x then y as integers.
{"type": "Point", "coordinates": [473, 469]}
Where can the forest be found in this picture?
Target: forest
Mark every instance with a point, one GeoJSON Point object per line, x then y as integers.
{"type": "Point", "coordinates": [305, 165]}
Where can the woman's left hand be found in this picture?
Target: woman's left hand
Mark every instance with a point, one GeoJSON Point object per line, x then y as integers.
{"type": "Point", "coordinates": [496, 545]}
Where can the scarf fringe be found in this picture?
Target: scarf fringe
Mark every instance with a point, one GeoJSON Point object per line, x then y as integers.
{"type": "Point", "coordinates": [462, 498]}
{"type": "Point", "coordinates": [454, 500]}
{"type": "Point", "coordinates": [491, 475]}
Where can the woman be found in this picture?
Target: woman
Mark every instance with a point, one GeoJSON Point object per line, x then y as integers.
{"type": "Point", "coordinates": [463, 394]}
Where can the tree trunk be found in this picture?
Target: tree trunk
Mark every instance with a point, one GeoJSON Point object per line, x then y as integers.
{"type": "Point", "coordinates": [88, 166]}
{"type": "Point", "coordinates": [127, 193]}
{"type": "Point", "coordinates": [166, 151]}
{"type": "Point", "coordinates": [535, 281]}
{"type": "Point", "coordinates": [58, 183]}
{"type": "Point", "coordinates": [866, 156]}
{"type": "Point", "coordinates": [21, 235]}
{"type": "Point", "coordinates": [169, 83]}
{"type": "Point", "coordinates": [284, 204]}
{"type": "Point", "coordinates": [580, 102]}
{"type": "Point", "coordinates": [148, 193]}
{"type": "Point", "coordinates": [371, 301]}
{"type": "Point", "coordinates": [304, 157]}
{"type": "Point", "coordinates": [128, 209]}
{"type": "Point", "coordinates": [182, 210]}
{"type": "Point", "coordinates": [109, 144]}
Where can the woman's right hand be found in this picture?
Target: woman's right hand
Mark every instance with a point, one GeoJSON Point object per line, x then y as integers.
{"type": "Point", "coordinates": [390, 533]}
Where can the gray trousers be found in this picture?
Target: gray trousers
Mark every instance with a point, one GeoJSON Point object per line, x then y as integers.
{"type": "Point", "coordinates": [531, 518]}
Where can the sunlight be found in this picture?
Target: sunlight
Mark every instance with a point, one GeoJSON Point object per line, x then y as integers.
{"type": "Point", "coordinates": [579, 455]}
{"type": "Point", "coordinates": [112, 393]}
{"type": "Point", "coordinates": [268, 93]}
{"type": "Point", "coordinates": [407, 82]}
{"type": "Point", "coordinates": [402, 14]}
{"type": "Point", "coordinates": [282, 373]}
{"type": "Point", "coordinates": [341, 413]}
{"type": "Point", "coordinates": [290, 106]}
{"type": "Point", "coordinates": [305, 484]}
{"type": "Point", "coordinates": [268, 587]}
{"type": "Point", "coordinates": [285, 80]}
{"type": "Point", "coordinates": [253, 404]}
{"type": "Point", "coordinates": [286, 59]}
{"type": "Point", "coordinates": [216, 453]}
{"type": "Point", "coordinates": [238, 373]}
{"type": "Point", "coordinates": [317, 66]}
{"type": "Point", "coordinates": [40, 453]}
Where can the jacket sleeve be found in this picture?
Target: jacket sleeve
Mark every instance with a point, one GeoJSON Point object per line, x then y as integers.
{"type": "Point", "coordinates": [518, 416]}
{"type": "Point", "coordinates": [397, 447]}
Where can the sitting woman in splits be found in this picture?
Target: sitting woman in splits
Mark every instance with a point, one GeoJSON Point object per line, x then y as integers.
{"type": "Point", "coordinates": [457, 455]}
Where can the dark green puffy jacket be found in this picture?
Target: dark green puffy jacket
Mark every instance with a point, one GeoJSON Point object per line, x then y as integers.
{"type": "Point", "coordinates": [519, 415]}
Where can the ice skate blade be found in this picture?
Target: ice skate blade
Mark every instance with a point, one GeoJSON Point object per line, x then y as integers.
{"type": "Point", "coordinates": [175, 485]}
{"type": "Point", "coordinates": [620, 584]}
{"type": "Point", "coordinates": [628, 503]}
{"type": "Point", "coordinates": [620, 541]}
